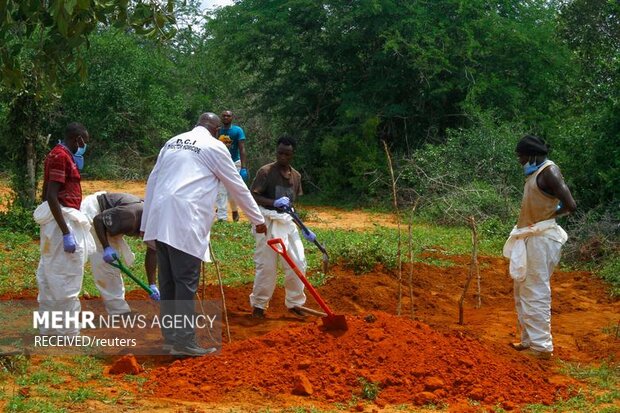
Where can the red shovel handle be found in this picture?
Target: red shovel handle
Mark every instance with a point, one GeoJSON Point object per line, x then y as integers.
{"type": "Point", "coordinates": [277, 245]}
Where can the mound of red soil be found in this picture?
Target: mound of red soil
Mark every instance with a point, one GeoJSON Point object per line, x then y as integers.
{"type": "Point", "coordinates": [126, 365]}
{"type": "Point", "coordinates": [411, 363]}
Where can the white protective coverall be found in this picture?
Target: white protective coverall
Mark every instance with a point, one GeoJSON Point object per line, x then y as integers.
{"type": "Point", "coordinates": [534, 251]}
{"type": "Point", "coordinates": [222, 199]}
{"type": "Point", "coordinates": [60, 274]}
{"type": "Point", "coordinates": [107, 278]}
{"type": "Point", "coordinates": [279, 225]}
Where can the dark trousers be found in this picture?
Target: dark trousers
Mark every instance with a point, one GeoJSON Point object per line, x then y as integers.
{"type": "Point", "coordinates": [178, 273]}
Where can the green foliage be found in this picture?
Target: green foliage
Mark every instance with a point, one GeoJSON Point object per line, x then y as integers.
{"type": "Point", "coordinates": [610, 272]}
{"type": "Point", "coordinates": [370, 390]}
{"type": "Point", "coordinates": [474, 173]}
{"type": "Point", "coordinates": [18, 218]}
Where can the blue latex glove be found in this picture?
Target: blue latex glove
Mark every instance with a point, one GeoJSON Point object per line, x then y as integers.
{"type": "Point", "coordinates": [283, 202]}
{"type": "Point", "coordinates": [109, 255]}
{"type": "Point", "coordinates": [309, 235]}
{"type": "Point", "coordinates": [244, 174]}
{"type": "Point", "coordinates": [68, 243]}
{"type": "Point", "coordinates": [156, 295]}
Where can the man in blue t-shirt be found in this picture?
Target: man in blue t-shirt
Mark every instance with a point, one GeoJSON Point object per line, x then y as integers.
{"type": "Point", "coordinates": [234, 138]}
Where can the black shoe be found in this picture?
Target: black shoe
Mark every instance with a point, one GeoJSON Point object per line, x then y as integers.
{"type": "Point", "coordinates": [258, 313]}
{"type": "Point", "coordinates": [191, 349]}
{"type": "Point", "coordinates": [168, 345]}
{"type": "Point", "coordinates": [235, 216]}
{"type": "Point", "coordinates": [296, 311]}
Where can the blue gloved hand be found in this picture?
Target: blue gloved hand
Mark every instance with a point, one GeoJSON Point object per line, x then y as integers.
{"type": "Point", "coordinates": [109, 255]}
{"type": "Point", "coordinates": [309, 235]}
{"type": "Point", "coordinates": [68, 243]}
{"type": "Point", "coordinates": [244, 174]}
{"type": "Point", "coordinates": [156, 295]}
{"type": "Point", "coordinates": [283, 202]}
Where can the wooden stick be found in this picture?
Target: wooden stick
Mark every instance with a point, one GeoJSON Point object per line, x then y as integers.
{"type": "Point", "coordinates": [410, 246]}
{"type": "Point", "coordinates": [219, 279]}
{"type": "Point", "coordinates": [396, 211]}
{"type": "Point", "coordinates": [474, 263]}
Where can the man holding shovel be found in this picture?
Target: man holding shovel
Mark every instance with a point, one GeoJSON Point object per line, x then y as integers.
{"type": "Point", "coordinates": [113, 215]}
{"type": "Point", "coordinates": [275, 187]}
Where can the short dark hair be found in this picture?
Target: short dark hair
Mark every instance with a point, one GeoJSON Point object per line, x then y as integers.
{"type": "Point", "coordinates": [75, 129]}
{"type": "Point", "coordinates": [532, 145]}
{"type": "Point", "coordinates": [287, 141]}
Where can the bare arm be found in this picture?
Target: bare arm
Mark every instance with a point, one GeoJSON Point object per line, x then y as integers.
{"type": "Point", "coordinates": [551, 181]}
{"type": "Point", "coordinates": [263, 200]}
{"type": "Point", "coordinates": [52, 200]}
{"type": "Point", "coordinates": [242, 154]}
{"type": "Point", "coordinates": [100, 230]}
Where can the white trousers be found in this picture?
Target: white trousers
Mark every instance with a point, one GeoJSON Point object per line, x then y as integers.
{"type": "Point", "coordinates": [59, 276]}
{"type": "Point", "coordinates": [266, 261]}
{"type": "Point", "coordinates": [222, 199]}
{"type": "Point", "coordinates": [108, 279]}
{"type": "Point", "coordinates": [533, 294]}
{"type": "Point", "coordinates": [109, 282]}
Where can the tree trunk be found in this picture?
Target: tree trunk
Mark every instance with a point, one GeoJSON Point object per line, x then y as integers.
{"type": "Point", "coordinates": [31, 171]}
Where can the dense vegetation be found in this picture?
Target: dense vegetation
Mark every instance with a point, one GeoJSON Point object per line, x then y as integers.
{"type": "Point", "coordinates": [449, 85]}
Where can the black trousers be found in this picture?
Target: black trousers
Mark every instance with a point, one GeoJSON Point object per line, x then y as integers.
{"type": "Point", "coordinates": [178, 274]}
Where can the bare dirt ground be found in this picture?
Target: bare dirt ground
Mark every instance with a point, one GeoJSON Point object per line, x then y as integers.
{"type": "Point", "coordinates": [429, 359]}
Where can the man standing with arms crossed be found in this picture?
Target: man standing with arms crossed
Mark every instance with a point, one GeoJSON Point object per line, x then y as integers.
{"type": "Point", "coordinates": [535, 244]}
{"type": "Point", "coordinates": [66, 241]}
{"type": "Point", "coordinates": [234, 138]}
{"type": "Point", "coordinates": [178, 214]}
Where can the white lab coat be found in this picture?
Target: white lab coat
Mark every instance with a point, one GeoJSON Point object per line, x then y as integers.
{"type": "Point", "coordinates": [179, 207]}
{"type": "Point", "coordinates": [279, 225]}
{"type": "Point", "coordinates": [534, 251]}
{"type": "Point", "coordinates": [60, 274]}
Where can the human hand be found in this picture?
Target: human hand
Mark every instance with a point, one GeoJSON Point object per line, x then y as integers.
{"type": "Point", "coordinates": [109, 255]}
{"type": "Point", "coordinates": [68, 243]}
{"type": "Point", "coordinates": [309, 235]}
{"type": "Point", "coordinates": [283, 202]}
{"type": "Point", "coordinates": [244, 174]}
{"type": "Point", "coordinates": [156, 296]}
{"type": "Point", "coordinates": [261, 229]}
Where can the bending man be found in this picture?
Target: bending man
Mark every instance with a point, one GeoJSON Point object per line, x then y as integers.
{"type": "Point", "coordinates": [113, 215]}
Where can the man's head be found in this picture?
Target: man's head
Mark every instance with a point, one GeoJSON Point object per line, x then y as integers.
{"type": "Point", "coordinates": [531, 147]}
{"type": "Point", "coordinates": [76, 136]}
{"type": "Point", "coordinates": [285, 149]}
{"type": "Point", "coordinates": [210, 121]}
{"type": "Point", "coordinates": [227, 117]}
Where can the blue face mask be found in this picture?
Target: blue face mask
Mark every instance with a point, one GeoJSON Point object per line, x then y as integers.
{"type": "Point", "coordinates": [78, 157]}
{"type": "Point", "coordinates": [529, 168]}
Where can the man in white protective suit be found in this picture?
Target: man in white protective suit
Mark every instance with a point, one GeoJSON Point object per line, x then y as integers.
{"type": "Point", "coordinates": [66, 241]}
{"type": "Point", "coordinates": [535, 244]}
{"type": "Point", "coordinates": [276, 186]}
{"type": "Point", "coordinates": [179, 210]}
{"type": "Point", "coordinates": [113, 215]}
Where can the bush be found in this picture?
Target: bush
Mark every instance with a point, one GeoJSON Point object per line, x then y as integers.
{"type": "Point", "coordinates": [19, 219]}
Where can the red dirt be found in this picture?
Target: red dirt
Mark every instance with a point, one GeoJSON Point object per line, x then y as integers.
{"type": "Point", "coordinates": [411, 362]}
{"type": "Point", "coordinates": [126, 365]}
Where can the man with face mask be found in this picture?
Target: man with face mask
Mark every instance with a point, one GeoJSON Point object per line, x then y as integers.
{"type": "Point", "coordinates": [534, 244]}
{"type": "Point", "coordinates": [66, 241]}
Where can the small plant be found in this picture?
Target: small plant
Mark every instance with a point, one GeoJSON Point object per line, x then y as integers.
{"type": "Point", "coordinates": [370, 390]}
{"type": "Point", "coordinates": [80, 395]}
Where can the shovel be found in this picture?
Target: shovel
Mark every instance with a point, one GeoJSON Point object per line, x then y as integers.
{"type": "Point", "coordinates": [293, 214]}
{"type": "Point", "coordinates": [331, 321]}
{"type": "Point", "coordinates": [118, 264]}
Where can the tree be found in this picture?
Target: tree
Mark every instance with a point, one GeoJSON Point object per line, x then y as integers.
{"type": "Point", "coordinates": [40, 46]}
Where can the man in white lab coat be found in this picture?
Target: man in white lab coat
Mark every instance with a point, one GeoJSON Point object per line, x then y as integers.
{"type": "Point", "coordinates": [179, 210]}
